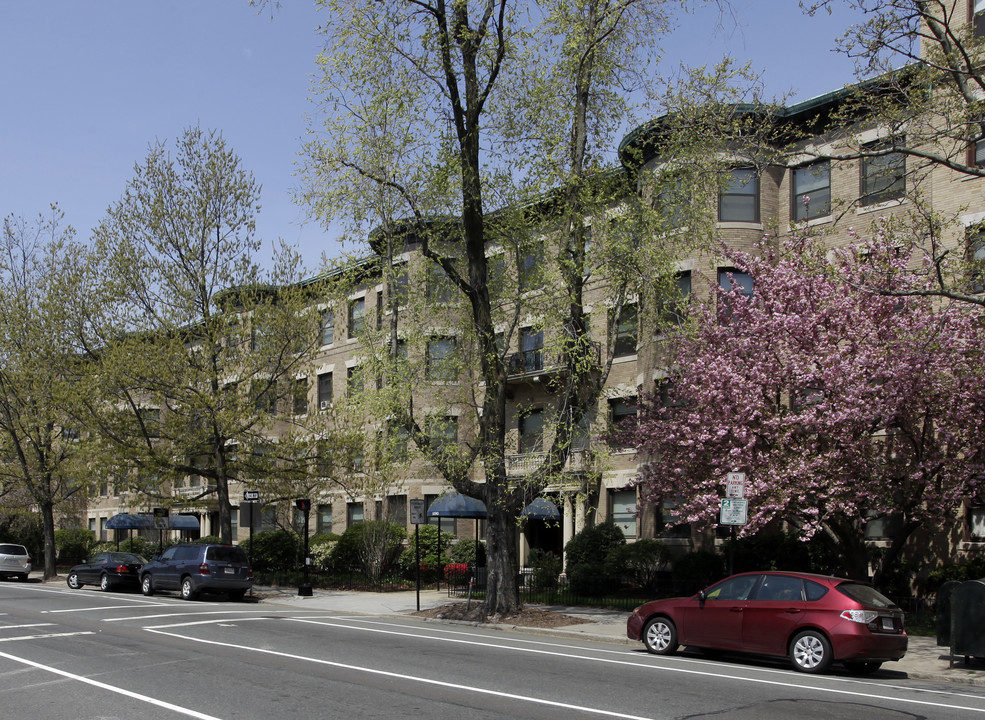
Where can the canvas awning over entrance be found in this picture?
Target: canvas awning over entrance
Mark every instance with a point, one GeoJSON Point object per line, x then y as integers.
{"type": "Point", "coordinates": [456, 505]}
{"type": "Point", "coordinates": [184, 522]}
{"type": "Point", "coordinates": [541, 509]}
{"type": "Point", "coordinates": [130, 521]}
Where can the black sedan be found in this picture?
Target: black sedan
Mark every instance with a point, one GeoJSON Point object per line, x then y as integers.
{"type": "Point", "coordinates": [108, 570]}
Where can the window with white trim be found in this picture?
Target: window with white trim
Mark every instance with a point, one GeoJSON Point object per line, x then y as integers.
{"type": "Point", "coordinates": [738, 201]}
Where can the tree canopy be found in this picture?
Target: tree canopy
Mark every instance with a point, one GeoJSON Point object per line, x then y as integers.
{"type": "Point", "coordinates": [843, 406]}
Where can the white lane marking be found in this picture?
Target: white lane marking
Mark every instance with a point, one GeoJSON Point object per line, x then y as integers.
{"type": "Point", "coordinates": [410, 678]}
{"type": "Point", "coordinates": [438, 631]}
{"type": "Point", "coordinates": [18, 627]}
{"type": "Point", "coordinates": [684, 671]}
{"type": "Point", "coordinates": [119, 691]}
{"type": "Point", "coordinates": [47, 635]}
{"type": "Point", "coordinates": [186, 613]}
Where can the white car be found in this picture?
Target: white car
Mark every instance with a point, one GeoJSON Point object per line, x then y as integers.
{"type": "Point", "coordinates": [15, 561]}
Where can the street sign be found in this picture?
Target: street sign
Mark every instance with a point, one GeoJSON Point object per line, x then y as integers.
{"type": "Point", "coordinates": [735, 485]}
{"type": "Point", "coordinates": [417, 511]}
{"type": "Point", "coordinates": [734, 511]}
{"type": "Point", "coordinates": [251, 495]}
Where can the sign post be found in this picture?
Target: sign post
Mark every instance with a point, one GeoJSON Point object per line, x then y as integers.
{"type": "Point", "coordinates": [248, 512]}
{"type": "Point", "coordinates": [417, 516]}
{"type": "Point", "coordinates": [734, 510]}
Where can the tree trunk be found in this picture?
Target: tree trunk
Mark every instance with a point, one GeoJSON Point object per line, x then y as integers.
{"type": "Point", "coordinates": [50, 549]}
{"type": "Point", "coordinates": [502, 558]}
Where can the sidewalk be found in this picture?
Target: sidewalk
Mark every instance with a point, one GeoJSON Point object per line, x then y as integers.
{"type": "Point", "coordinates": [924, 659]}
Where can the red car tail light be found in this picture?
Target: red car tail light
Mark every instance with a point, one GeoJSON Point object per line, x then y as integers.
{"type": "Point", "coordinates": [203, 569]}
{"type": "Point", "coordinates": [860, 616]}
{"type": "Point", "coordinates": [122, 569]}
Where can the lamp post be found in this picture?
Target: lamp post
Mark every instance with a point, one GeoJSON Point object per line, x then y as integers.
{"type": "Point", "coordinates": [304, 589]}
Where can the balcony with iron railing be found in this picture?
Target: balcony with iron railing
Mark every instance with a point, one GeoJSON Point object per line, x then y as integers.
{"type": "Point", "coordinates": [527, 364]}
{"type": "Point", "coordinates": [522, 464]}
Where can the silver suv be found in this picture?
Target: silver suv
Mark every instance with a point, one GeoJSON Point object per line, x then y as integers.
{"type": "Point", "coordinates": [193, 568]}
{"type": "Point", "coordinates": [15, 561]}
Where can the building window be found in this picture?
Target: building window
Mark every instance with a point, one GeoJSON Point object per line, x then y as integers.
{"type": "Point", "coordinates": [811, 186]}
{"type": "Point", "coordinates": [882, 526]}
{"type": "Point", "coordinates": [323, 518]}
{"type": "Point", "coordinates": [976, 258]}
{"type": "Point", "coordinates": [739, 200]}
{"type": "Point", "coordinates": [439, 287]}
{"type": "Point", "coordinates": [357, 317]}
{"type": "Point", "coordinates": [327, 327]}
{"type": "Point", "coordinates": [529, 266]}
{"type": "Point", "coordinates": [622, 413]}
{"type": "Point", "coordinates": [627, 330]}
{"type": "Point", "coordinates": [401, 285]}
{"type": "Point", "coordinates": [439, 364]}
{"type": "Point", "coordinates": [673, 308]}
{"type": "Point", "coordinates": [531, 431]}
{"type": "Point", "coordinates": [976, 523]}
{"type": "Point", "coordinates": [883, 177]}
{"type": "Point", "coordinates": [379, 310]}
{"type": "Point", "coordinates": [324, 391]}
{"type": "Point", "coordinates": [300, 395]}
{"type": "Point", "coordinates": [354, 381]}
{"type": "Point", "coordinates": [392, 444]}
{"type": "Point", "coordinates": [443, 432]}
{"type": "Point", "coordinates": [264, 397]}
{"type": "Point", "coordinates": [150, 418]}
{"type": "Point", "coordinates": [978, 17]}
{"type": "Point", "coordinates": [396, 506]}
{"type": "Point", "coordinates": [671, 201]}
{"type": "Point", "coordinates": [353, 513]}
{"type": "Point", "coordinates": [730, 279]}
{"type": "Point", "coordinates": [532, 349]}
{"type": "Point", "coordinates": [624, 511]}
{"type": "Point", "coordinates": [669, 520]}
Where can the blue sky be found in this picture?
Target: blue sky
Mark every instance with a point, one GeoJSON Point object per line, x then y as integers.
{"type": "Point", "coordinates": [87, 86]}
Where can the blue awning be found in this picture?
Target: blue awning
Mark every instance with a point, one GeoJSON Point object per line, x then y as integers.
{"type": "Point", "coordinates": [184, 522]}
{"type": "Point", "coordinates": [541, 509]}
{"type": "Point", "coordinates": [456, 505]}
{"type": "Point", "coordinates": [129, 521]}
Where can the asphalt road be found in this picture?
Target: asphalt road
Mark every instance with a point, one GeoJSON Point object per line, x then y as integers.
{"type": "Point", "coordinates": [107, 656]}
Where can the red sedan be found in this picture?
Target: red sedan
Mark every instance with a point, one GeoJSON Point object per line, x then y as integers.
{"type": "Point", "coordinates": [812, 619]}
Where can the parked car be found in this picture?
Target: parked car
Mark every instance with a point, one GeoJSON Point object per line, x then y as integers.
{"type": "Point", "coordinates": [108, 570]}
{"type": "Point", "coordinates": [193, 568]}
{"type": "Point", "coordinates": [15, 561]}
{"type": "Point", "coordinates": [813, 620]}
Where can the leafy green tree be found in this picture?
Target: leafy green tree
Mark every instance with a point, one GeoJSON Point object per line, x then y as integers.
{"type": "Point", "coordinates": [196, 346]}
{"type": "Point", "coordinates": [43, 277]}
{"type": "Point", "coordinates": [459, 128]}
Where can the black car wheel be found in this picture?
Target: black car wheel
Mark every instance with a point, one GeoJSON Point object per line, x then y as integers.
{"type": "Point", "coordinates": [147, 585]}
{"type": "Point", "coordinates": [104, 583]}
{"type": "Point", "coordinates": [660, 636]}
{"type": "Point", "coordinates": [810, 652]}
{"type": "Point", "coordinates": [862, 667]}
{"type": "Point", "coordinates": [187, 589]}
{"type": "Point", "coordinates": [73, 581]}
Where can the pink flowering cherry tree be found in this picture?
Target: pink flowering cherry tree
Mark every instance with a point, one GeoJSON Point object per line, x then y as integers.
{"type": "Point", "coordinates": [840, 404]}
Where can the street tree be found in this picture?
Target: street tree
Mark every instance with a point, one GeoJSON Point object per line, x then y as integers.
{"type": "Point", "coordinates": [43, 278]}
{"type": "Point", "coordinates": [476, 133]}
{"type": "Point", "coordinates": [197, 348]}
{"type": "Point", "coordinates": [843, 407]}
{"type": "Point", "coordinates": [922, 84]}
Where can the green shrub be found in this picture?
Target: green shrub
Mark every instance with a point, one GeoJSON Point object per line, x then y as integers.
{"type": "Point", "coordinates": [431, 562]}
{"type": "Point", "coordinates": [547, 568]}
{"type": "Point", "coordinates": [73, 544]}
{"type": "Point", "coordinates": [469, 551]}
{"type": "Point", "coordinates": [639, 562]}
{"type": "Point", "coordinates": [593, 544]}
{"type": "Point", "coordinates": [369, 547]}
{"type": "Point", "coordinates": [966, 568]}
{"type": "Point", "coordinates": [273, 551]}
{"type": "Point", "coordinates": [771, 550]}
{"type": "Point", "coordinates": [588, 572]}
{"type": "Point", "coordinates": [698, 570]}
